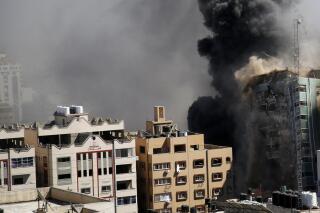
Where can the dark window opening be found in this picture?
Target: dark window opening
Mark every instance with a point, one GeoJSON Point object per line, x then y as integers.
{"type": "Point", "coordinates": [180, 148]}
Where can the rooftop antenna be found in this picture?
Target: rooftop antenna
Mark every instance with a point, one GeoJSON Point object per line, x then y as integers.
{"type": "Point", "coordinates": [296, 45]}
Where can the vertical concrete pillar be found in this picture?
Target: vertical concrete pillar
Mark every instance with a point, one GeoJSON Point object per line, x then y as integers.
{"type": "Point", "coordinates": [102, 163]}
{"type": "Point", "coordinates": [2, 173]}
{"type": "Point", "coordinates": [107, 159]}
{"type": "Point", "coordinates": [87, 162]}
{"type": "Point", "coordinates": [81, 164]}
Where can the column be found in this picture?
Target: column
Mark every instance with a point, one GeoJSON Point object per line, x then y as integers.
{"type": "Point", "coordinates": [2, 173]}
{"type": "Point", "coordinates": [107, 159]}
{"type": "Point", "coordinates": [102, 163]}
{"type": "Point", "coordinates": [87, 161]}
{"type": "Point", "coordinates": [81, 164]}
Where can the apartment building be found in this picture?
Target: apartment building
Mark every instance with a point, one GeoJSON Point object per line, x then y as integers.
{"type": "Point", "coordinates": [93, 157]}
{"type": "Point", "coordinates": [10, 90]}
{"type": "Point", "coordinates": [285, 129]}
{"type": "Point", "coordinates": [176, 168]}
{"type": "Point", "coordinates": [17, 165]}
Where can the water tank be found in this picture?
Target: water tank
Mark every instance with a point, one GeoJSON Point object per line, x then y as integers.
{"type": "Point", "coordinates": [282, 199]}
{"type": "Point", "coordinates": [63, 110]}
{"type": "Point", "coordinates": [309, 199]}
{"type": "Point", "coordinates": [275, 198]}
{"type": "Point", "coordinates": [287, 200]}
{"type": "Point", "coordinates": [259, 199]}
{"type": "Point", "coordinates": [243, 196]}
{"type": "Point", "coordinates": [294, 201]}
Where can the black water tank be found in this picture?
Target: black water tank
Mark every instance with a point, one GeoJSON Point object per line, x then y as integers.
{"type": "Point", "coordinates": [275, 198]}
{"type": "Point", "coordinates": [282, 199]}
{"type": "Point", "coordinates": [243, 196]}
{"type": "Point", "coordinates": [294, 201]}
{"type": "Point", "coordinates": [288, 199]}
{"type": "Point", "coordinates": [259, 199]}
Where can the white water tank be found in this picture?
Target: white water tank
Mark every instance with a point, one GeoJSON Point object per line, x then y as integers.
{"type": "Point", "coordinates": [63, 110]}
{"type": "Point", "coordinates": [309, 199]}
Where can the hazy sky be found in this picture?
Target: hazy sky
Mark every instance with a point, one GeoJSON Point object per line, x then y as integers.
{"type": "Point", "coordinates": [118, 58]}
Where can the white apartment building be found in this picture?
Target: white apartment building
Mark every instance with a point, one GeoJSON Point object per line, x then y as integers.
{"type": "Point", "coordinates": [17, 165]}
{"type": "Point", "coordinates": [88, 156]}
{"type": "Point", "coordinates": [10, 91]}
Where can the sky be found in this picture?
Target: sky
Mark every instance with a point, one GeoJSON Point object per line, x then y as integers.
{"type": "Point", "coordinates": [117, 58]}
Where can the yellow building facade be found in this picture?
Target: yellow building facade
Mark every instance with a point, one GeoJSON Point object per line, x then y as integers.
{"type": "Point", "coordinates": [176, 169]}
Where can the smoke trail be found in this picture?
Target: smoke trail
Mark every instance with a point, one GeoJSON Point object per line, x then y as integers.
{"type": "Point", "coordinates": [240, 29]}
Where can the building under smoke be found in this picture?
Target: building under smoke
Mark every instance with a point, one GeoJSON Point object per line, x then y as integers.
{"type": "Point", "coordinates": [10, 91]}
{"type": "Point", "coordinates": [284, 123]}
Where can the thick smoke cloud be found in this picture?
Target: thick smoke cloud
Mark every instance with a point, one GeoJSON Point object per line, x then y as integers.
{"type": "Point", "coordinates": [240, 29]}
{"type": "Point", "coordinates": [117, 58]}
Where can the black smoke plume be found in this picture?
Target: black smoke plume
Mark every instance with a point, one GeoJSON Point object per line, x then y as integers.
{"type": "Point", "coordinates": [240, 29]}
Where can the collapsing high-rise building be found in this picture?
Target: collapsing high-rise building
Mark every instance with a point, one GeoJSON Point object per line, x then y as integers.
{"type": "Point", "coordinates": [284, 120]}
{"type": "Point", "coordinates": [10, 91]}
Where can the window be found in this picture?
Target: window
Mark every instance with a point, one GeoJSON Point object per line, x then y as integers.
{"type": "Point", "coordinates": [161, 150]}
{"type": "Point", "coordinates": [161, 166]}
{"type": "Point", "coordinates": [45, 161]}
{"type": "Point", "coordinates": [64, 171]}
{"type": "Point", "coordinates": [22, 162]}
{"type": "Point", "coordinates": [126, 200]}
{"type": "Point", "coordinates": [198, 178]}
{"type": "Point", "coordinates": [124, 185]}
{"type": "Point", "coordinates": [198, 163]}
{"type": "Point", "coordinates": [180, 165]}
{"type": "Point", "coordinates": [64, 159]}
{"type": "Point", "coordinates": [19, 179]}
{"type": "Point", "coordinates": [217, 176]}
{"type": "Point", "coordinates": [165, 211]}
{"type": "Point", "coordinates": [200, 209]}
{"type": "Point", "coordinates": [194, 147]}
{"type": "Point", "coordinates": [165, 197]}
{"type": "Point", "coordinates": [198, 194]}
{"type": "Point", "coordinates": [105, 189]}
{"type": "Point", "coordinates": [216, 162]}
{"type": "Point", "coordinates": [181, 180]}
{"type": "Point", "coordinates": [142, 149]}
{"type": "Point", "coordinates": [303, 117]}
{"type": "Point", "coordinates": [124, 168]}
{"type": "Point", "coordinates": [85, 190]}
{"type": "Point", "coordinates": [301, 88]}
{"type": "Point", "coordinates": [123, 153]}
{"type": "Point", "coordinates": [228, 160]}
{"type": "Point", "coordinates": [162, 181]}
{"type": "Point", "coordinates": [181, 196]}
{"type": "Point", "coordinates": [217, 191]}
{"type": "Point", "coordinates": [180, 148]}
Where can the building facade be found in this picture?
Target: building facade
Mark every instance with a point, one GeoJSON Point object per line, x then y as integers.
{"type": "Point", "coordinates": [93, 157]}
{"type": "Point", "coordinates": [17, 160]}
{"type": "Point", "coordinates": [10, 91]}
{"type": "Point", "coordinates": [285, 125]}
{"type": "Point", "coordinates": [177, 169]}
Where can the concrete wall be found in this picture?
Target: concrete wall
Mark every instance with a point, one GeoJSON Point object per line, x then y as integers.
{"type": "Point", "coordinates": [22, 196]}
{"type": "Point", "coordinates": [73, 197]}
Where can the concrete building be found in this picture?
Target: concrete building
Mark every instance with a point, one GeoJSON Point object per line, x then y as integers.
{"type": "Point", "coordinates": [17, 160]}
{"type": "Point", "coordinates": [177, 169]}
{"type": "Point", "coordinates": [10, 91]}
{"type": "Point", "coordinates": [285, 127]}
{"type": "Point", "coordinates": [93, 157]}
